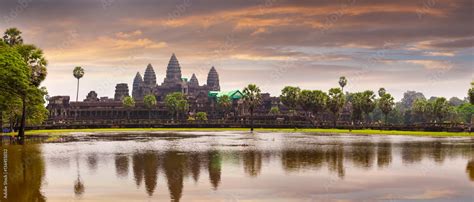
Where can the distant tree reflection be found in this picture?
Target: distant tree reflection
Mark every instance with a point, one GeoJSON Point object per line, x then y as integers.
{"type": "Point", "coordinates": [252, 162]}
{"type": "Point", "coordinates": [384, 154]}
{"type": "Point", "coordinates": [335, 160]}
{"type": "Point", "coordinates": [363, 154]}
{"type": "Point", "coordinates": [470, 170]}
{"type": "Point", "coordinates": [295, 160]}
{"type": "Point", "coordinates": [79, 187]}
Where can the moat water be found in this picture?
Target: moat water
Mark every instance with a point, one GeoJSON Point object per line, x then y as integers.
{"type": "Point", "coordinates": [238, 166]}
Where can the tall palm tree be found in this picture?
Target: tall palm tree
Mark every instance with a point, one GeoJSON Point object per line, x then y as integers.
{"type": "Point", "coordinates": [150, 102]}
{"type": "Point", "coordinates": [78, 72]}
{"type": "Point", "coordinates": [13, 37]}
{"type": "Point", "coordinates": [252, 99]}
{"type": "Point", "coordinates": [335, 103]}
{"type": "Point", "coordinates": [342, 82]}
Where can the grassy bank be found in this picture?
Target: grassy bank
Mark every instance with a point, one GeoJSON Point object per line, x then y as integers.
{"type": "Point", "coordinates": [287, 130]}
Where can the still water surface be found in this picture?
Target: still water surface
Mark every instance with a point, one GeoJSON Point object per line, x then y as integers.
{"type": "Point", "coordinates": [235, 166]}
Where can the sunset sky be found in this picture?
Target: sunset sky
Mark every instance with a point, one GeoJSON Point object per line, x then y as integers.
{"type": "Point", "coordinates": [422, 45]}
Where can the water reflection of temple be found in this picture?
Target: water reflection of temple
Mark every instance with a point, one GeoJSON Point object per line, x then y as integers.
{"type": "Point", "coordinates": [175, 167]}
{"type": "Point", "coordinates": [178, 166]}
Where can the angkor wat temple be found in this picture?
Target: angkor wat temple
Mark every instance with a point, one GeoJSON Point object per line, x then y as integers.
{"type": "Point", "coordinates": [201, 98]}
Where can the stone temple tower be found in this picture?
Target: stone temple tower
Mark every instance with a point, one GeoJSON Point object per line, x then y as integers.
{"type": "Point", "coordinates": [149, 78]}
{"type": "Point", "coordinates": [137, 91]}
{"type": "Point", "coordinates": [149, 81]}
{"type": "Point", "coordinates": [121, 91]}
{"type": "Point", "coordinates": [173, 72]}
{"type": "Point", "coordinates": [213, 80]}
{"type": "Point", "coordinates": [193, 81]}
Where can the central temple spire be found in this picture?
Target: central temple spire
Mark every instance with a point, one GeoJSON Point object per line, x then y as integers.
{"type": "Point", "coordinates": [150, 77]}
{"type": "Point", "coordinates": [173, 71]}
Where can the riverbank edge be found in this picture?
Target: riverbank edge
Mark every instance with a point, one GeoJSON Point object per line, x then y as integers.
{"type": "Point", "coordinates": [286, 130]}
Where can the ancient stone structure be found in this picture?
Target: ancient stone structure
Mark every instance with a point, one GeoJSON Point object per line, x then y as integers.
{"type": "Point", "coordinates": [173, 82]}
{"type": "Point", "coordinates": [121, 91]}
{"type": "Point", "coordinates": [199, 97]}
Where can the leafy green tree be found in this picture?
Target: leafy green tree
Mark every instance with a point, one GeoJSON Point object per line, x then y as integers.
{"type": "Point", "coordinates": [14, 78]}
{"type": "Point", "coordinates": [128, 102]}
{"type": "Point", "coordinates": [465, 111]}
{"type": "Point", "coordinates": [312, 101]}
{"type": "Point", "coordinates": [335, 102]}
{"type": "Point", "coordinates": [201, 116]}
{"type": "Point", "coordinates": [12, 36]}
{"type": "Point", "coordinates": [78, 73]}
{"type": "Point", "coordinates": [307, 101]}
{"type": "Point", "coordinates": [252, 99]}
{"type": "Point", "coordinates": [274, 111]}
{"type": "Point", "coordinates": [35, 61]}
{"type": "Point", "coordinates": [149, 101]}
{"type": "Point", "coordinates": [419, 108]}
{"type": "Point", "coordinates": [440, 108]}
{"type": "Point", "coordinates": [289, 96]}
{"type": "Point", "coordinates": [320, 102]}
{"type": "Point", "coordinates": [225, 104]}
{"type": "Point", "coordinates": [369, 103]}
{"type": "Point", "coordinates": [357, 102]}
{"type": "Point", "coordinates": [386, 104]}
{"type": "Point", "coordinates": [342, 82]}
{"type": "Point", "coordinates": [176, 103]}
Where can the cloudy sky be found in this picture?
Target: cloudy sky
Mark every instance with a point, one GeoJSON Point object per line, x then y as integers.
{"type": "Point", "coordinates": [422, 45]}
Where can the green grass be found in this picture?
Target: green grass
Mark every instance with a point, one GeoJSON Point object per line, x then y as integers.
{"type": "Point", "coordinates": [286, 130]}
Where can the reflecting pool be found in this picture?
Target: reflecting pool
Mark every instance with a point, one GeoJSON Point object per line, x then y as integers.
{"type": "Point", "coordinates": [238, 166]}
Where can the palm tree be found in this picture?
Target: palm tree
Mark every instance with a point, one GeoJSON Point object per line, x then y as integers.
{"type": "Point", "coordinates": [290, 98]}
{"type": "Point", "coordinates": [225, 103]}
{"type": "Point", "coordinates": [382, 92]}
{"type": "Point", "coordinates": [335, 103]}
{"type": "Point", "coordinates": [386, 103]}
{"type": "Point", "coordinates": [13, 37]}
{"type": "Point", "coordinates": [252, 99]}
{"type": "Point", "coordinates": [342, 82]}
{"type": "Point", "coordinates": [368, 103]}
{"type": "Point", "coordinates": [128, 102]}
{"type": "Point", "coordinates": [150, 102]}
{"type": "Point", "coordinates": [78, 72]}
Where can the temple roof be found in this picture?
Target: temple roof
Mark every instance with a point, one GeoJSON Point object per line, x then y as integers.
{"type": "Point", "coordinates": [137, 81]}
{"type": "Point", "coordinates": [150, 77]}
{"type": "Point", "coordinates": [233, 94]}
{"type": "Point", "coordinates": [173, 71]}
{"type": "Point", "coordinates": [194, 81]}
{"type": "Point", "coordinates": [213, 79]}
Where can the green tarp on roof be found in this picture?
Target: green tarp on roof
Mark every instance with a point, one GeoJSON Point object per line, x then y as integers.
{"type": "Point", "coordinates": [233, 94]}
